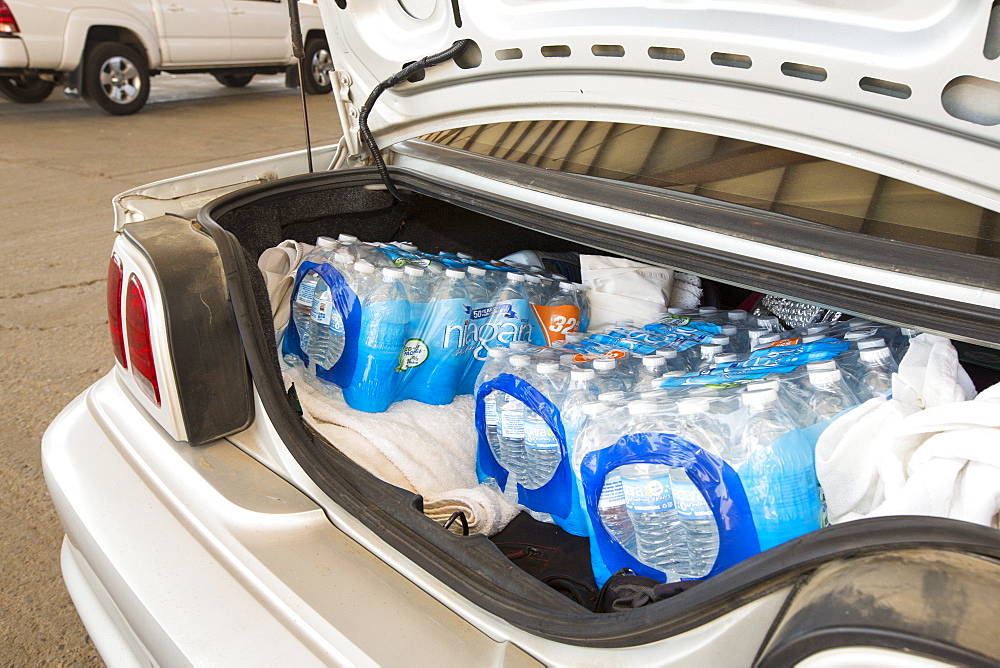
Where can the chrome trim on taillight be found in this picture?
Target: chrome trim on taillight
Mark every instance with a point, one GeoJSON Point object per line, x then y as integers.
{"type": "Point", "coordinates": [116, 277]}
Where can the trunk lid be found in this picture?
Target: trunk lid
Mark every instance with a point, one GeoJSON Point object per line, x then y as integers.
{"type": "Point", "coordinates": [904, 89]}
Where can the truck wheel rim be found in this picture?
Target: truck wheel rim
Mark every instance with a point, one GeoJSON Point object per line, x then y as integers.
{"type": "Point", "coordinates": [322, 63]}
{"type": "Point", "coordinates": [120, 80]}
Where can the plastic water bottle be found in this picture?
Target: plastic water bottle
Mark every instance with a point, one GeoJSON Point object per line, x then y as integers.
{"type": "Point", "coordinates": [661, 540]}
{"type": "Point", "coordinates": [511, 424]}
{"type": "Point", "coordinates": [697, 426]}
{"type": "Point", "coordinates": [613, 512]}
{"type": "Point", "coordinates": [754, 335]}
{"type": "Point", "coordinates": [609, 378]}
{"type": "Point", "coordinates": [878, 365]}
{"type": "Point", "coordinates": [475, 281]}
{"type": "Point", "coordinates": [615, 397]}
{"type": "Point", "coordinates": [512, 318]}
{"type": "Point", "coordinates": [649, 501]}
{"type": "Point", "coordinates": [302, 305]}
{"type": "Point", "coordinates": [766, 340]}
{"type": "Point", "coordinates": [326, 325]}
{"type": "Point", "coordinates": [495, 277]}
{"type": "Point", "coordinates": [769, 322]}
{"type": "Point", "coordinates": [706, 353]}
{"type": "Point", "coordinates": [495, 364]}
{"type": "Point", "coordinates": [540, 443]}
{"type": "Point", "coordinates": [534, 289]}
{"type": "Point", "coordinates": [566, 315]}
{"type": "Point", "coordinates": [900, 342]}
{"type": "Point", "coordinates": [437, 354]}
{"type": "Point", "coordinates": [651, 368]}
{"type": "Point", "coordinates": [326, 329]}
{"type": "Point", "coordinates": [583, 302]}
{"type": "Point", "coordinates": [415, 283]}
{"type": "Point", "coordinates": [580, 391]}
{"type": "Point", "coordinates": [598, 430]}
{"type": "Point", "coordinates": [350, 244]}
{"type": "Point", "coordinates": [548, 288]}
{"type": "Point", "coordinates": [792, 402]}
{"type": "Point", "coordinates": [829, 394]}
{"type": "Point", "coordinates": [385, 320]}
{"type": "Point", "coordinates": [674, 361]}
{"type": "Point", "coordinates": [365, 278]}
{"type": "Point", "coordinates": [777, 472]}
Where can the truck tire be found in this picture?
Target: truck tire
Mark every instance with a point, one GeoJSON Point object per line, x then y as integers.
{"type": "Point", "coordinates": [317, 80]}
{"type": "Point", "coordinates": [26, 89]}
{"type": "Point", "coordinates": [230, 80]}
{"type": "Point", "coordinates": [115, 79]}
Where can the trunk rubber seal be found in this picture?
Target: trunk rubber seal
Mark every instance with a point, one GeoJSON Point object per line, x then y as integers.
{"type": "Point", "coordinates": [471, 566]}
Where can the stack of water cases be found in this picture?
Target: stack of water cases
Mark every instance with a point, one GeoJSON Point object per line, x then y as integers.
{"type": "Point", "coordinates": [385, 323]}
{"type": "Point", "coordinates": [680, 447]}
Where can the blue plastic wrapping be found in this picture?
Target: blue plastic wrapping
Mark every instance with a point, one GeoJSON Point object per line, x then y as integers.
{"type": "Point", "coordinates": [715, 479]}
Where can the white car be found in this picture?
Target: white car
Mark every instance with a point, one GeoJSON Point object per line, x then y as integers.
{"type": "Point", "coordinates": [845, 154]}
{"type": "Point", "coordinates": [107, 51]}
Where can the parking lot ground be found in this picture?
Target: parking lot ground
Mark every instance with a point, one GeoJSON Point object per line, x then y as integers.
{"type": "Point", "coordinates": [61, 162]}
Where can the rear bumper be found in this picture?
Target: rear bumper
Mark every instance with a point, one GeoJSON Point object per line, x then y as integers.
{"type": "Point", "coordinates": [13, 55]}
{"type": "Point", "coordinates": [178, 555]}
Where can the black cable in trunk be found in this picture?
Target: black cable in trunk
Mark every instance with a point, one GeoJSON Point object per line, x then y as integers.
{"type": "Point", "coordinates": [413, 68]}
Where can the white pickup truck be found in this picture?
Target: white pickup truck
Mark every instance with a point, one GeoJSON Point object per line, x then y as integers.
{"type": "Point", "coordinates": [107, 50]}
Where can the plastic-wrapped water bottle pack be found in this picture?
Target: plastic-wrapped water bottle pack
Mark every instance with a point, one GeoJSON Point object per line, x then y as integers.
{"type": "Point", "coordinates": [680, 447]}
{"type": "Point", "coordinates": [387, 322]}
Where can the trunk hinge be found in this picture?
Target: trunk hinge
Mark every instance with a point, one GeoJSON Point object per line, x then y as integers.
{"type": "Point", "coordinates": [347, 112]}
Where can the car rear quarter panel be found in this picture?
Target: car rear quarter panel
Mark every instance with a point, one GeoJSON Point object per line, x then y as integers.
{"type": "Point", "coordinates": [212, 558]}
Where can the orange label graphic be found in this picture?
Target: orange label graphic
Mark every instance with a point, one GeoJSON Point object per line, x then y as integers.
{"type": "Point", "coordinates": [586, 357]}
{"type": "Point", "coordinates": [557, 320]}
{"type": "Point", "coordinates": [794, 341]}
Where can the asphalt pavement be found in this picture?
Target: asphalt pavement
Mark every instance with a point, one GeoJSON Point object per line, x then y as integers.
{"type": "Point", "coordinates": [61, 162]}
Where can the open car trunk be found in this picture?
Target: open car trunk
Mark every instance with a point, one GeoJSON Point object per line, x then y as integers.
{"type": "Point", "coordinates": [246, 223]}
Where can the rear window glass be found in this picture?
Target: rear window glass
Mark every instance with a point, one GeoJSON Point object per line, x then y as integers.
{"type": "Point", "coordinates": [740, 172]}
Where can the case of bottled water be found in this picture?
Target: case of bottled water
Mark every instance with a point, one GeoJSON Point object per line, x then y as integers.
{"type": "Point", "coordinates": [683, 474]}
{"type": "Point", "coordinates": [382, 323]}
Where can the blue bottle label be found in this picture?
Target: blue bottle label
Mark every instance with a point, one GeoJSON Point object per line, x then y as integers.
{"type": "Point", "coordinates": [648, 495]}
{"type": "Point", "coordinates": [538, 436]}
{"type": "Point", "coordinates": [689, 502]}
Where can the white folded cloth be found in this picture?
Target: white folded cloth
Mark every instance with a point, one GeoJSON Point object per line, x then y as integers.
{"type": "Point", "coordinates": [429, 450]}
{"type": "Point", "coordinates": [621, 289]}
{"type": "Point", "coordinates": [930, 449]}
{"type": "Point", "coordinates": [279, 266]}
{"type": "Point", "coordinates": [930, 374]}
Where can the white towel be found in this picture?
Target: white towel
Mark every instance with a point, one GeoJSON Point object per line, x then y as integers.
{"type": "Point", "coordinates": [928, 450]}
{"type": "Point", "coordinates": [486, 511]}
{"type": "Point", "coordinates": [624, 289]}
{"type": "Point", "coordinates": [930, 375]}
{"type": "Point", "coordinates": [429, 450]}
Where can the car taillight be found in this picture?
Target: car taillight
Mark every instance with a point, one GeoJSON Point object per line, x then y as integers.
{"type": "Point", "coordinates": [7, 23]}
{"type": "Point", "coordinates": [116, 276]}
{"type": "Point", "coordinates": [140, 348]}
